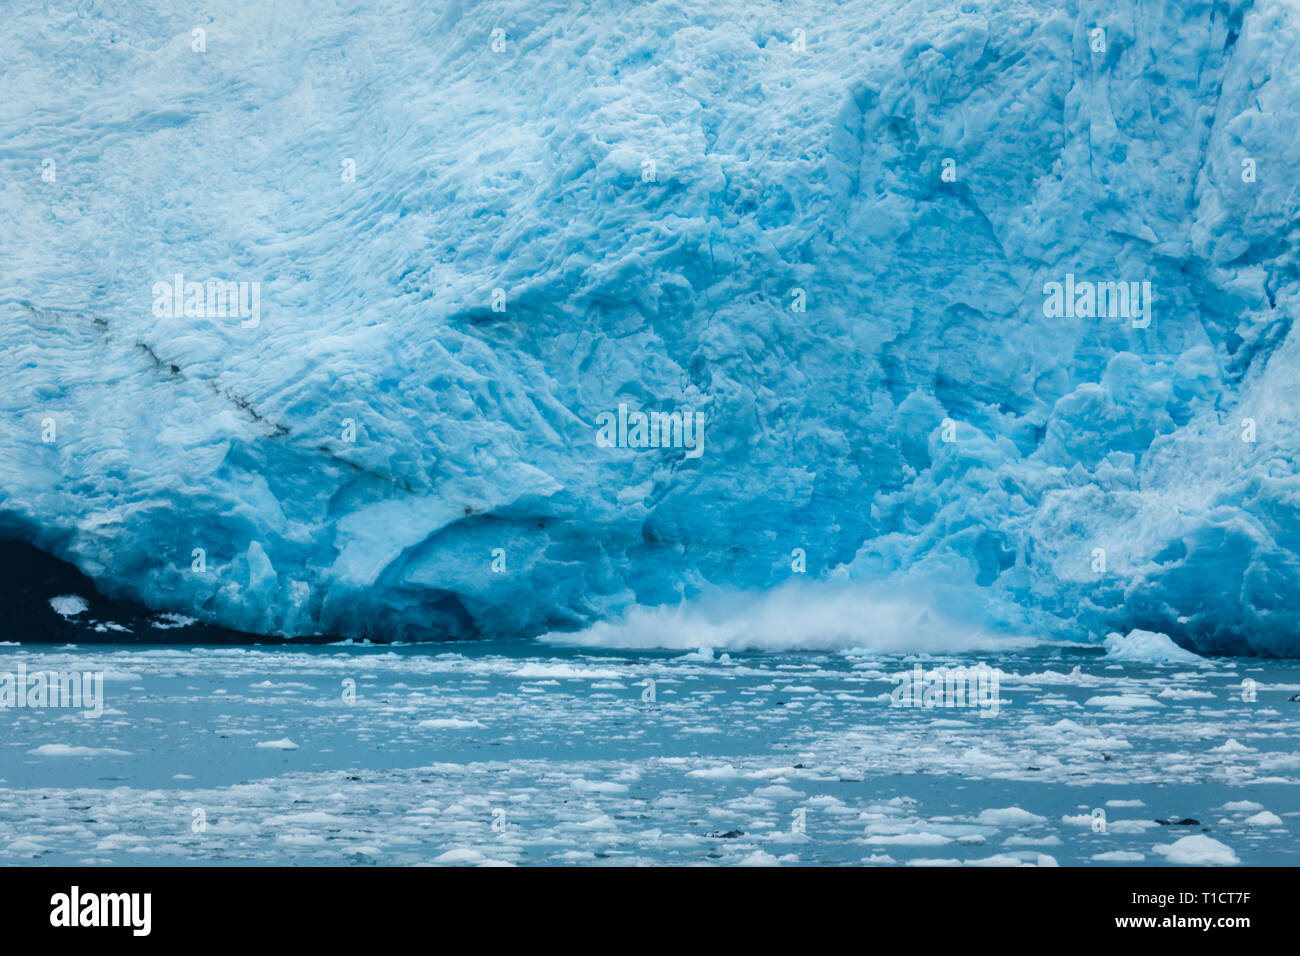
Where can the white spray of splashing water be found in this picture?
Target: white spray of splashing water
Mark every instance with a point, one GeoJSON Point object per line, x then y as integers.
{"type": "Point", "coordinates": [795, 617]}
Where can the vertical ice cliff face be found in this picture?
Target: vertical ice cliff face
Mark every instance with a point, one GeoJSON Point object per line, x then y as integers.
{"type": "Point", "coordinates": [463, 233]}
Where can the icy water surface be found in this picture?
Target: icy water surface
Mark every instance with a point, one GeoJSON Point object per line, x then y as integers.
{"type": "Point", "coordinates": [528, 753]}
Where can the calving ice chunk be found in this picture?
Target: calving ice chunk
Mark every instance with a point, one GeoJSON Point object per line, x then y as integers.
{"type": "Point", "coordinates": [1085, 299]}
{"type": "Point", "coordinates": [682, 429]}
{"type": "Point", "coordinates": [74, 908]}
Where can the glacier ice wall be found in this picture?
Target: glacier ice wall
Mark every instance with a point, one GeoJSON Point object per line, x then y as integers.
{"type": "Point", "coordinates": [560, 208]}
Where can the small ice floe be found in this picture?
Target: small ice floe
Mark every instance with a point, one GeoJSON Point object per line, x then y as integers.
{"type": "Point", "coordinates": [1125, 803]}
{"type": "Point", "coordinates": [759, 858]}
{"type": "Point", "coordinates": [602, 821]}
{"type": "Point", "coordinates": [1122, 701]}
{"type": "Point", "coordinates": [1231, 746]}
{"type": "Point", "coordinates": [1182, 693]}
{"type": "Point", "coordinates": [449, 723]}
{"type": "Point", "coordinates": [1148, 647]}
{"type": "Point", "coordinates": [1130, 826]}
{"type": "Point", "coordinates": [1198, 850]}
{"type": "Point", "coordinates": [1009, 817]}
{"type": "Point", "coordinates": [1018, 840]}
{"type": "Point", "coordinates": [68, 606]}
{"type": "Point", "coordinates": [1242, 806]}
{"type": "Point", "coordinates": [778, 791]}
{"type": "Point", "coordinates": [26, 847]}
{"type": "Point", "coordinates": [1264, 818]}
{"type": "Point", "coordinates": [67, 750]}
{"type": "Point", "coordinates": [284, 743]}
{"type": "Point", "coordinates": [725, 772]}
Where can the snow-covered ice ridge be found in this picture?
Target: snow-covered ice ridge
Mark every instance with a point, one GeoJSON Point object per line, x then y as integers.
{"type": "Point", "coordinates": [827, 227]}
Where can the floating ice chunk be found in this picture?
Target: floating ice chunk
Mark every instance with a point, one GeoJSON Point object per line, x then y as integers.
{"type": "Point", "coordinates": [1148, 647]}
{"type": "Point", "coordinates": [26, 847]}
{"type": "Point", "coordinates": [778, 791]}
{"type": "Point", "coordinates": [284, 743]}
{"type": "Point", "coordinates": [1198, 850]}
{"type": "Point", "coordinates": [1130, 826]}
{"type": "Point", "coordinates": [1009, 817]}
{"type": "Point", "coordinates": [1184, 693]}
{"type": "Point", "coordinates": [1231, 746]}
{"type": "Point", "coordinates": [601, 822]}
{"type": "Point", "coordinates": [725, 772]}
{"type": "Point", "coordinates": [1122, 701]}
{"type": "Point", "coordinates": [68, 750]}
{"type": "Point", "coordinates": [450, 723]}
{"type": "Point", "coordinates": [1264, 818]}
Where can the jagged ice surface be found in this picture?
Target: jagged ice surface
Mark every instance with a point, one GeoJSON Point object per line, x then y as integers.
{"type": "Point", "coordinates": [775, 169]}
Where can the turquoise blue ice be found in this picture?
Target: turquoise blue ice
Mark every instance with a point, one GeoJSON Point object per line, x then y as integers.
{"type": "Point", "coordinates": [827, 227]}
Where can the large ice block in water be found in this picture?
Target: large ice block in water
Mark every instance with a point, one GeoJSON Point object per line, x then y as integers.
{"type": "Point", "coordinates": [867, 242]}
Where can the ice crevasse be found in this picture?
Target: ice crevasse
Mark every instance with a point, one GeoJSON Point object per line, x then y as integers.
{"type": "Point", "coordinates": [856, 238]}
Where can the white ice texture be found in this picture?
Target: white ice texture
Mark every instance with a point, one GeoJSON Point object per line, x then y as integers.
{"type": "Point", "coordinates": [648, 184]}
